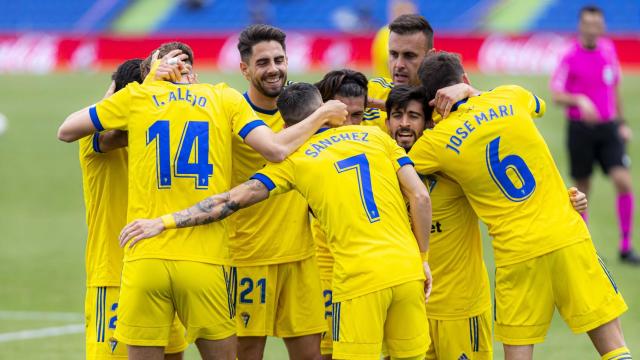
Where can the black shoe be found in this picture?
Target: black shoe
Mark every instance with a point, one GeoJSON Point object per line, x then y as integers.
{"type": "Point", "coordinates": [630, 257]}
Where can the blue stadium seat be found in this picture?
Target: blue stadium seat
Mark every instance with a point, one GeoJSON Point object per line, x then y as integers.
{"type": "Point", "coordinates": [621, 15]}
{"type": "Point", "coordinates": [47, 15]}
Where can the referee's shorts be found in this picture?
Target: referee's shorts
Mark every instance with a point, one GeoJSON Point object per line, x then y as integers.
{"type": "Point", "coordinates": [589, 143]}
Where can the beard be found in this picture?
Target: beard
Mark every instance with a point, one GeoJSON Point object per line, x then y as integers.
{"type": "Point", "coordinates": [405, 142]}
{"type": "Point", "coordinates": [264, 90]}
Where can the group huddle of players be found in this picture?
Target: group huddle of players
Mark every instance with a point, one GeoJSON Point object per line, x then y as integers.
{"type": "Point", "coordinates": [354, 249]}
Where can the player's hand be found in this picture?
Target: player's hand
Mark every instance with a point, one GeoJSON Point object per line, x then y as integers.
{"type": "Point", "coordinates": [376, 103]}
{"type": "Point", "coordinates": [111, 89]}
{"type": "Point", "coordinates": [625, 132]}
{"type": "Point", "coordinates": [172, 66]}
{"type": "Point", "coordinates": [140, 229]}
{"type": "Point", "coordinates": [578, 199]}
{"type": "Point", "coordinates": [334, 112]}
{"type": "Point", "coordinates": [428, 282]}
{"type": "Point", "coordinates": [448, 96]}
{"type": "Point", "coordinates": [588, 111]}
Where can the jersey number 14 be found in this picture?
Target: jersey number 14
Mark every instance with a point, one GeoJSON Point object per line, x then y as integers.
{"type": "Point", "coordinates": [195, 134]}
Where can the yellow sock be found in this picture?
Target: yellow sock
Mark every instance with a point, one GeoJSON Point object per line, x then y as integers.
{"type": "Point", "coordinates": [622, 353]}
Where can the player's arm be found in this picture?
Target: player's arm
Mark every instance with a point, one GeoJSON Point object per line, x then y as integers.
{"type": "Point", "coordinates": [77, 126]}
{"type": "Point", "coordinates": [111, 140]}
{"type": "Point", "coordinates": [417, 195]}
{"type": "Point", "coordinates": [85, 122]}
{"type": "Point", "coordinates": [211, 209]}
{"type": "Point", "coordinates": [447, 97]}
{"type": "Point", "coordinates": [376, 103]}
{"type": "Point", "coordinates": [275, 147]}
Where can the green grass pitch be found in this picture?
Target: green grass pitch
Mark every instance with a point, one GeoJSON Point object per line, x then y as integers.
{"type": "Point", "coordinates": [42, 229]}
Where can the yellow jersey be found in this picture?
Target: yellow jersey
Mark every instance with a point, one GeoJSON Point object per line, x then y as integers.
{"type": "Point", "coordinates": [104, 183]}
{"type": "Point", "coordinates": [276, 230]}
{"type": "Point", "coordinates": [348, 176]}
{"type": "Point", "coordinates": [377, 88]}
{"type": "Point", "coordinates": [179, 153]}
{"type": "Point", "coordinates": [380, 52]}
{"type": "Point", "coordinates": [492, 148]}
{"type": "Point", "coordinates": [455, 255]}
{"type": "Point", "coordinates": [323, 254]}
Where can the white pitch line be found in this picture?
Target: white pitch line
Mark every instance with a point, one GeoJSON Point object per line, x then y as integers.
{"type": "Point", "coordinates": [41, 333]}
{"type": "Point", "coordinates": [40, 315]}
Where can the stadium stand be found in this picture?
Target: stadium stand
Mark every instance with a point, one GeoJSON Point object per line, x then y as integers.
{"type": "Point", "coordinates": [622, 15]}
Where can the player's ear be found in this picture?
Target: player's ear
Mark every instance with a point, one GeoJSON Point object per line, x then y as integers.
{"type": "Point", "coordinates": [244, 69]}
{"type": "Point", "coordinates": [465, 79]}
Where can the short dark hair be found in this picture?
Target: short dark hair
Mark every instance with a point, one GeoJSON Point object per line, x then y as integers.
{"type": "Point", "coordinates": [345, 82]}
{"type": "Point", "coordinates": [255, 34]}
{"type": "Point", "coordinates": [163, 50]}
{"type": "Point", "coordinates": [297, 101]}
{"type": "Point", "coordinates": [590, 9]}
{"type": "Point", "coordinates": [401, 95]}
{"type": "Point", "coordinates": [440, 70]}
{"type": "Point", "coordinates": [127, 72]}
{"type": "Point", "coordinates": [410, 24]}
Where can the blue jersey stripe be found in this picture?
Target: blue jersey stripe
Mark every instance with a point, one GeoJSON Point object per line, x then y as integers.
{"type": "Point", "coordinates": [405, 160]}
{"type": "Point", "coordinates": [96, 142]}
{"type": "Point", "coordinates": [264, 179]}
{"type": "Point", "coordinates": [249, 127]}
{"type": "Point", "coordinates": [95, 119]}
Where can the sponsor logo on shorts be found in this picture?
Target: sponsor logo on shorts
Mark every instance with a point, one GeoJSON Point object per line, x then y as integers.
{"type": "Point", "coordinates": [463, 357]}
{"type": "Point", "coordinates": [245, 318]}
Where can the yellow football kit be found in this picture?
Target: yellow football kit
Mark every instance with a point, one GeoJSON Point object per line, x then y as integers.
{"type": "Point", "coordinates": [277, 258]}
{"type": "Point", "coordinates": [462, 293]}
{"type": "Point", "coordinates": [179, 153]}
{"type": "Point", "coordinates": [104, 177]}
{"type": "Point", "coordinates": [380, 53]}
{"type": "Point", "coordinates": [101, 305]}
{"type": "Point", "coordinates": [492, 148]}
{"type": "Point", "coordinates": [348, 177]}
{"type": "Point", "coordinates": [325, 265]}
{"type": "Point", "coordinates": [378, 88]}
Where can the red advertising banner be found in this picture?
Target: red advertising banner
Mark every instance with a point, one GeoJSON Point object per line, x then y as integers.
{"type": "Point", "coordinates": [519, 54]}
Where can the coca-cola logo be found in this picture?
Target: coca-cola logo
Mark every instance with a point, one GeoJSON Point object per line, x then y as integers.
{"type": "Point", "coordinates": [29, 53]}
{"type": "Point", "coordinates": [535, 54]}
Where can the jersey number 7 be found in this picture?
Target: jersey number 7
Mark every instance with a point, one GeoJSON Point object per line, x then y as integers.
{"type": "Point", "coordinates": [195, 133]}
{"type": "Point", "coordinates": [360, 164]}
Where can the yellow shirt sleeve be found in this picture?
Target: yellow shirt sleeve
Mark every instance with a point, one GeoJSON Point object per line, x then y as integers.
{"type": "Point", "coordinates": [113, 112]}
{"type": "Point", "coordinates": [424, 156]}
{"type": "Point", "coordinates": [243, 118]}
{"type": "Point", "coordinates": [535, 105]}
{"type": "Point", "coordinates": [397, 154]}
{"type": "Point", "coordinates": [278, 178]}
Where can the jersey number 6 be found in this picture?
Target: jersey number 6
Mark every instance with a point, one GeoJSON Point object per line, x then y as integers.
{"type": "Point", "coordinates": [498, 170]}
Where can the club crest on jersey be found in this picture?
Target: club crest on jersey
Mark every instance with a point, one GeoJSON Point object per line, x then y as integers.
{"type": "Point", "coordinates": [113, 343]}
{"type": "Point", "coordinates": [245, 318]}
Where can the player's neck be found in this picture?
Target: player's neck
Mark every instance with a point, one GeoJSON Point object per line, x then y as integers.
{"type": "Point", "coordinates": [260, 100]}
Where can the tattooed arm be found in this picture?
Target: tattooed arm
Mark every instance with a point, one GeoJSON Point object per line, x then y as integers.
{"type": "Point", "coordinates": [213, 208]}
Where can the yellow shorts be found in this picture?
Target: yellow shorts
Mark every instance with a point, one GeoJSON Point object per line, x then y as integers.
{"type": "Point", "coordinates": [461, 339]}
{"type": "Point", "coordinates": [283, 300]}
{"type": "Point", "coordinates": [100, 307]}
{"type": "Point", "coordinates": [154, 289]}
{"type": "Point", "coordinates": [395, 315]}
{"type": "Point", "coordinates": [572, 278]}
{"type": "Point", "coordinates": [326, 344]}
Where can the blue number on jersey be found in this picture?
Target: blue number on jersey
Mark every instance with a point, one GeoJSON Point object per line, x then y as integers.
{"type": "Point", "coordinates": [498, 171]}
{"type": "Point", "coordinates": [244, 295]}
{"type": "Point", "coordinates": [360, 164]}
{"type": "Point", "coordinates": [195, 133]}
{"type": "Point", "coordinates": [160, 130]}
